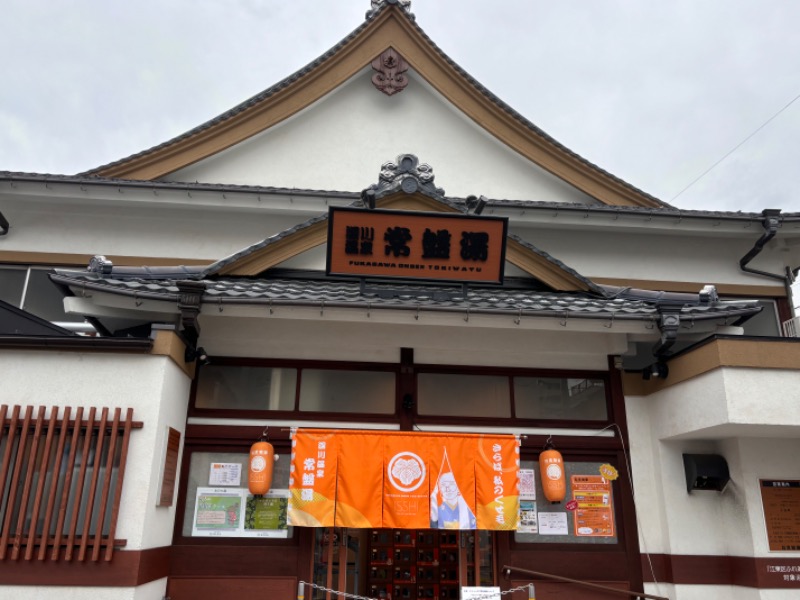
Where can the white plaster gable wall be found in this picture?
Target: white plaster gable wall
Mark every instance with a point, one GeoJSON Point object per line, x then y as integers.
{"type": "Point", "coordinates": [152, 385]}
{"type": "Point", "coordinates": [339, 143]}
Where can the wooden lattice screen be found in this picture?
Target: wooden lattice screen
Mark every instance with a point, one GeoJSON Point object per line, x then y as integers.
{"type": "Point", "coordinates": [61, 482]}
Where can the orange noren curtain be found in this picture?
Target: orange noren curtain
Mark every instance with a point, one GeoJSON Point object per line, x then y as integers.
{"type": "Point", "coordinates": [404, 480]}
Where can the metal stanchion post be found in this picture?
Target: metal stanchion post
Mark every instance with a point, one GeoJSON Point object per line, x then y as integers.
{"type": "Point", "coordinates": [300, 591]}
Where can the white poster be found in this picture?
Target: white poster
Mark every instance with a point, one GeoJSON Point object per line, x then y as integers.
{"type": "Point", "coordinates": [527, 517]}
{"type": "Point", "coordinates": [225, 474]}
{"type": "Point", "coordinates": [527, 484]}
{"type": "Point", "coordinates": [473, 592]}
{"type": "Point", "coordinates": [553, 523]}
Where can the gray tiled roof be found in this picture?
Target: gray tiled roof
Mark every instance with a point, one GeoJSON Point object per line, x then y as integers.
{"type": "Point", "coordinates": [321, 59]}
{"type": "Point", "coordinates": [220, 264]}
{"type": "Point", "coordinates": [335, 293]}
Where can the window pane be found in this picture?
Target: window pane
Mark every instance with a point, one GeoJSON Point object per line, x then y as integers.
{"type": "Point", "coordinates": [246, 388]}
{"type": "Point", "coordinates": [463, 395]}
{"type": "Point", "coordinates": [11, 283]}
{"type": "Point", "coordinates": [347, 391]}
{"type": "Point", "coordinates": [554, 398]}
{"type": "Point", "coordinates": [44, 299]}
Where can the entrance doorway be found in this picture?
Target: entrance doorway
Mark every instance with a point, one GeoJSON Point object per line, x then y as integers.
{"type": "Point", "coordinates": [401, 564]}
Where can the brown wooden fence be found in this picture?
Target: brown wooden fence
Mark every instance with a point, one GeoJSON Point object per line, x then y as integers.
{"type": "Point", "coordinates": [61, 482]}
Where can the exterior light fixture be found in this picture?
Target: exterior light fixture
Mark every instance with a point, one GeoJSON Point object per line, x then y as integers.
{"type": "Point", "coordinates": [196, 354]}
{"type": "Point", "coordinates": [658, 370]}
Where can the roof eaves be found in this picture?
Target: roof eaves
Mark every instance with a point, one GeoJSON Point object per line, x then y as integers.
{"type": "Point", "coordinates": [593, 287]}
{"type": "Point", "coordinates": [224, 262]}
{"type": "Point", "coordinates": [527, 123]}
{"type": "Point", "coordinates": [371, 16]}
{"type": "Point", "coordinates": [397, 296]}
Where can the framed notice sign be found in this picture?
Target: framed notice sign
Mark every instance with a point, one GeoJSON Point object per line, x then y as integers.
{"type": "Point", "coordinates": [234, 512]}
{"type": "Point", "coordinates": [594, 516]}
{"type": "Point", "coordinates": [781, 501]}
{"type": "Point", "coordinates": [416, 245]}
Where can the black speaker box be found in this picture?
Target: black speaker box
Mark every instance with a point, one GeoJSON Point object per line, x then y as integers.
{"type": "Point", "coordinates": [705, 472]}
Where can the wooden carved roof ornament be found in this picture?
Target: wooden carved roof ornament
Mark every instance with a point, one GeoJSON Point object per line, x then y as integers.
{"type": "Point", "coordinates": [377, 5]}
{"type": "Point", "coordinates": [390, 77]}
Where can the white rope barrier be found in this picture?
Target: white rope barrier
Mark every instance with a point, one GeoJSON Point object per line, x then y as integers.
{"type": "Point", "coordinates": [490, 596]}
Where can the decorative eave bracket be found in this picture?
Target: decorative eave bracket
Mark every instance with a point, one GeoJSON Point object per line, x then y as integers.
{"type": "Point", "coordinates": [190, 294]}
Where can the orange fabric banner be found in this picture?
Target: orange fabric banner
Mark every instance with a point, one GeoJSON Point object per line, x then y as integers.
{"type": "Point", "coordinates": [359, 481]}
{"type": "Point", "coordinates": [312, 479]}
{"type": "Point", "coordinates": [497, 483]}
{"type": "Point", "coordinates": [404, 480]}
{"type": "Point", "coordinates": [406, 485]}
{"type": "Point", "coordinates": [453, 483]}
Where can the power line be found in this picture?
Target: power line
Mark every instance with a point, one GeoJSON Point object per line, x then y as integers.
{"type": "Point", "coordinates": [735, 148]}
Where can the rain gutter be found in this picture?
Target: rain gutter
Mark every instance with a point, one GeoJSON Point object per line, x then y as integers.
{"type": "Point", "coordinates": [79, 343]}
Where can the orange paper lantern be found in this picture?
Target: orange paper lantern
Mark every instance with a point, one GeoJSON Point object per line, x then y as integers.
{"type": "Point", "coordinates": [551, 465]}
{"type": "Point", "coordinates": [262, 460]}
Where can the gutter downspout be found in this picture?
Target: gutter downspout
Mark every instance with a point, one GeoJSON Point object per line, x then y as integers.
{"type": "Point", "coordinates": [771, 223]}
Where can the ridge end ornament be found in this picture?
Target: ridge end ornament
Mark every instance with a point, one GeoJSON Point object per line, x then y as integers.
{"type": "Point", "coordinates": [390, 77]}
{"type": "Point", "coordinates": [377, 5]}
{"type": "Point", "coordinates": [406, 174]}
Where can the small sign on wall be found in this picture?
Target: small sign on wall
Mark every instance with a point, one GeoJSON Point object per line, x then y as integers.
{"type": "Point", "coordinates": [781, 501]}
{"type": "Point", "coordinates": [225, 474]}
{"type": "Point", "coordinates": [169, 470]}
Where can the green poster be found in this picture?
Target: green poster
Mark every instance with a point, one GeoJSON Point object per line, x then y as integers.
{"type": "Point", "coordinates": [218, 511]}
{"type": "Point", "coordinates": [265, 513]}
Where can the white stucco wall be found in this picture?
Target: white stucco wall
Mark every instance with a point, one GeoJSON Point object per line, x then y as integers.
{"type": "Point", "coordinates": [153, 386]}
{"type": "Point", "coordinates": [154, 590]}
{"type": "Point", "coordinates": [748, 416]}
{"type": "Point", "coordinates": [108, 225]}
{"type": "Point", "coordinates": [339, 143]}
{"type": "Point", "coordinates": [717, 592]}
{"type": "Point", "coordinates": [659, 255]}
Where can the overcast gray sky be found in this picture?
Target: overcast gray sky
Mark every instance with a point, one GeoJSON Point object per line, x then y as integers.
{"type": "Point", "coordinates": [654, 92]}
